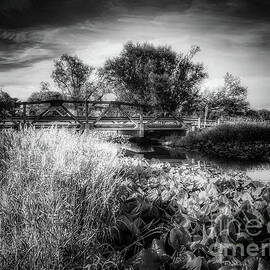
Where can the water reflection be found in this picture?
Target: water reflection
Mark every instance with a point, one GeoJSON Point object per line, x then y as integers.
{"type": "Point", "coordinates": [255, 170]}
{"type": "Point", "coordinates": [260, 174]}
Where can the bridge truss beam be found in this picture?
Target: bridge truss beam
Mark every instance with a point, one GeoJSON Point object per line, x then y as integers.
{"type": "Point", "coordinates": [113, 115]}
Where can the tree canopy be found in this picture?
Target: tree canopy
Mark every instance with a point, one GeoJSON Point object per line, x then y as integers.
{"type": "Point", "coordinates": [78, 80]}
{"type": "Point", "coordinates": [7, 103]}
{"type": "Point", "coordinates": [45, 93]}
{"type": "Point", "coordinates": [157, 76]}
{"type": "Point", "coordinates": [230, 100]}
{"type": "Point", "coordinates": [71, 75]}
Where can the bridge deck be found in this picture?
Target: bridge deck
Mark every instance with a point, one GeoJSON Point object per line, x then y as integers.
{"type": "Point", "coordinates": [120, 124]}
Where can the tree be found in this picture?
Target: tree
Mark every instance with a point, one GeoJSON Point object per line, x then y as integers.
{"type": "Point", "coordinates": [264, 114]}
{"type": "Point", "coordinates": [230, 100]}
{"type": "Point", "coordinates": [7, 103]}
{"type": "Point", "coordinates": [44, 94]}
{"type": "Point", "coordinates": [253, 114]}
{"type": "Point", "coordinates": [98, 87]}
{"type": "Point", "coordinates": [156, 76]}
{"type": "Point", "coordinates": [45, 86]}
{"type": "Point", "coordinates": [72, 76]}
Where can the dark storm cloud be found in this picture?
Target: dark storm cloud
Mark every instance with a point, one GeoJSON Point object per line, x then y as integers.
{"type": "Point", "coordinates": [21, 21]}
{"type": "Point", "coordinates": [16, 56]}
{"type": "Point", "coordinates": [20, 49]}
{"type": "Point", "coordinates": [253, 9]}
{"type": "Point", "coordinates": [18, 15]}
{"type": "Point", "coordinates": [25, 13]}
{"type": "Point", "coordinates": [20, 18]}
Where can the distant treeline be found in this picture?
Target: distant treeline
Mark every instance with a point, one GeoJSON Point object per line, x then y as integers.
{"type": "Point", "coordinates": [145, 74]}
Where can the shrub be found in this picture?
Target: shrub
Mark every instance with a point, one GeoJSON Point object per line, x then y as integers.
{"type": "Point", "coordinates": [7, 104]}
{"type": "Point", "coordinates": [239, 140]}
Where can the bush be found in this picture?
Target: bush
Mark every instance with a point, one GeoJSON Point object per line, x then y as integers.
{"type": "Point", "coordinates": [7, 104]}
{"type": "Point", "coordinates": [239, 140]}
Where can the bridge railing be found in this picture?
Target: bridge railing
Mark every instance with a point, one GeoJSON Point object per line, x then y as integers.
{"type": "Point", "coordinates": [97, 114]}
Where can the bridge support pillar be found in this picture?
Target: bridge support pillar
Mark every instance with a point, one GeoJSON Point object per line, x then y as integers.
{"type": "Point", "coordinates": [199, 123]}
{"type": "Point", "coordinates": [141, 126]}
{"type": "Point", "coordinates": [24, 117]}
{"type": "Point", "coordinates": [87, 126]}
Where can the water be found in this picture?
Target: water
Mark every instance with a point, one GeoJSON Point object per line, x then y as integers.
{"type": "Point", "coordinates": [259, 171]}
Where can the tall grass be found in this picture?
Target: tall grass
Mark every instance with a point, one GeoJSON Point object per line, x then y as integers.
{"type": "Point", "coordinates": [70, 201]}
{"type": "Point", "coordinates": [56, 199]}
{"type": "Point", "coordinates": [244, 140]}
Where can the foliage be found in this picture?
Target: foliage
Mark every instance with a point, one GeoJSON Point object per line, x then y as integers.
{"type": "Point", "coordinates": [155, 76]}
{"type": "Point", "coordinates": [78, 80]}
{"type": "Point", "coordinates": [70, 202]}
{"type": "Point", "coordinates": [45, 86]}
{"type": "Point", "coordinates": [99, 86]}
{"type": "Point", "coordinates": [253, 114]}
{"type": "Point", "coordinates": [44, 94]}
{"type": "Point", "coordinates": [71, 75]}
{"type": "Point", "coordinates": [230, 100]}
{"type": "Point", "coordinates": [7, 103]}
{"type": "Point", "coordinates": [110, 136]}
{"type": "Point", "coordinates": [240, 140]}
{"type": "Point", "coordinates": [186, 217]}
{"type": "Point", "coordinates": [264, 114]}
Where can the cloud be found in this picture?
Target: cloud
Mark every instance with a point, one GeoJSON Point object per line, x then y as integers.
{"type": "Point", "coordinates": [19, 49]}
{"type": "Point", "coordinates": [23, 21]}
{"type": "Point", "coordinates": [233, 34]}
{"type": "Point", "coordinates": [16, 14]}
{"type": "Point", "coordinates": [251, 9]}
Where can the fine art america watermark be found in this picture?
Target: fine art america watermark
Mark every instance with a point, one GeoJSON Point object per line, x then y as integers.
{"type": "Point", "coordinates": [235, 238]}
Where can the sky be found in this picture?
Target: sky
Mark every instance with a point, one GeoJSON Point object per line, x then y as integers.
{"type": "Point", "coordinates": [234, 36]}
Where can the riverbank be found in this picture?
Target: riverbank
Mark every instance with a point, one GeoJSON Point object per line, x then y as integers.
{"type": "Point", "coordinates": [72, 201]}
{"type": "Point", "coordinates": [243, 141]}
